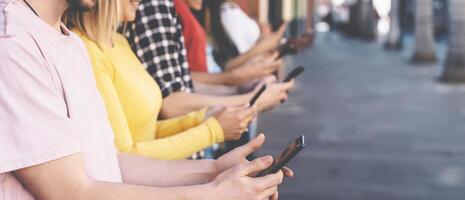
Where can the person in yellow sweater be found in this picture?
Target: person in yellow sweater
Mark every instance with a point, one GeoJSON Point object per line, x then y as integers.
{"type": "Point", "coordinates": [133, 99]}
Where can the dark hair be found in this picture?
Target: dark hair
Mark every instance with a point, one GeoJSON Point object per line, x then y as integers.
{"type": "Point", "coordinates": [224, 48]}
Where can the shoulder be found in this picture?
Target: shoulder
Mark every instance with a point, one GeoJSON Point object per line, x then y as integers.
{"type": "Point", "coordinates": [158, 6]}
{"type": "Point", "coordinates": [20, 47]}
{"type": "Point", "coordinates": [230, 11]}
{"type": "Point", "coordinates": [121, 40]}
{"type": "Point", "coordinates": [15, 19]}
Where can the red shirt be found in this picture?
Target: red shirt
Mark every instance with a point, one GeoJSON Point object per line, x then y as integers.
{"type": "Point", "coordinates": [194, 36]}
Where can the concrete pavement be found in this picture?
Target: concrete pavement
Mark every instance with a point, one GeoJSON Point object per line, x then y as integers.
{"type": "Point", "coordinates": [377, 127]}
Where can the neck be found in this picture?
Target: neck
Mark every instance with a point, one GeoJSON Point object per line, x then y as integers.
{"type": "Point", "coordinates": [50, 11]}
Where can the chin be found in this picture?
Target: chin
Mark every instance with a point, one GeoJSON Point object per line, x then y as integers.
{"type": "Point", "coordinates": [197, 7]}
{"type": "Point", "coordinates": [129, 18]}
{"type": "Point", "coordinates": [81, 5]}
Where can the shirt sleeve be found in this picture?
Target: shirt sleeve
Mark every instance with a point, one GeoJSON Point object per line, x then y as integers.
{"type": "Point", "coordinates": [34, 123]}
{"type": "Point", "coordinates": [172, 126]}
{"type": "Point", "coordinates": [183, 144]}
{"type": "Point", "coordinates": [180, 139]}
{"type": "Point", "coordinates": [156, 38]}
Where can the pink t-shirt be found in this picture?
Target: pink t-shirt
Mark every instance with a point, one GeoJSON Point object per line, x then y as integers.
{"type": "Point", "coordinates": [50, 107]}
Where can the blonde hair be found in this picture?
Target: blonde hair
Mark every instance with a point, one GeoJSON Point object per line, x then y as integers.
{"type": "Point", "coordinates": [97, 24]}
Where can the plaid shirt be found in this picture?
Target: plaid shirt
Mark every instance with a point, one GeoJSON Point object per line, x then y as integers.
{"type": "Point", "coordinates": [156, 37]}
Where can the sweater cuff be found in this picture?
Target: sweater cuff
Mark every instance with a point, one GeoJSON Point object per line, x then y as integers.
{"type": "Point", "coordinates": [215, 129]}
{"type": "Point", "coordinates": [200, 115]}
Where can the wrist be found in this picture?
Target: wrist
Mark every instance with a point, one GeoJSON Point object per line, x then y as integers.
{"type": "Point", "coordinates": [215, 170]}
{"type": "Point", "coordinates": [231, 78]}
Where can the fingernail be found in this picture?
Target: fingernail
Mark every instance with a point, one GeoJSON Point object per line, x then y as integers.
{"type": "Point", "coordinates": [267, 159]}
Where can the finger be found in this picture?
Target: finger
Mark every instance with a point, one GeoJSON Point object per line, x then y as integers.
{"type": "Point", "coordinates": [289, 85]}
{"type": "Point", "coordinates": [274, 56]}
{"type": "Point", "coordinates": [288, 172]}
{"type": "Point", "coordinates": [275, 196]}
{"type": "Point", "coordinates": [285, 97]}
{"type": "Point", "coordinates": [215, 112]}
{"type": "Point", "coordinates": [246, 113]}
{"type": "Point", "coordinates": [250, 117]}
{"type": "Point", "coordinates": [270, 180]}
{"type": "Point", "coordinates": [279, 62]}
{"type": "Point", "coordinates": [270, 79]}
{"type": "Point", "coordinates": [232, 109]}
{"type": "Point", "coordinates": [269, 193]}
{"type": "Point", "coordinates": [216, 109]}
{"type": "Point", "coordinates": [251, 146]}
{"type": "Point", "coordinates": [260, 85]}
{"type": "Point", "coordinates": [282, 28]}
{"type": "Point", "coordinates": [257, 165]}
{"type": "Point", "coordinates": [272, 67]}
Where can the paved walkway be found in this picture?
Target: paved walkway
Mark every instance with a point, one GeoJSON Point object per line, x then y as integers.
{"type": "Point", "coordinates": [378, 128]}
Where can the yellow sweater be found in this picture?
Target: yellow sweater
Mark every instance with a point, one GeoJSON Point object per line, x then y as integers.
{"type": "Point", "coordinates": [133, 101]}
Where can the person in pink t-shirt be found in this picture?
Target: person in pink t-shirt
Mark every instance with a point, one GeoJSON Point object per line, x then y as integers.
{"type": "Point", "coordinates": [55, 140]}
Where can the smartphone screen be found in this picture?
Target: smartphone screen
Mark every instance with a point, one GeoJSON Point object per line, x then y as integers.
{"type": "Point", "coordinates": [257, 95]}
{"type": "Point", "coordinates": [294, 73]}
{"type": "Point", "coordinates": [286, 156]}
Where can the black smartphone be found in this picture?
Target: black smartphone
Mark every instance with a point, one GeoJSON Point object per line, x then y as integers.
{"type": "Point", "coordinates": [284, 158]}
{"type": "Point", "coordinates": [255, 97]}
{"type": "Point", "coordinates": [294, 73]}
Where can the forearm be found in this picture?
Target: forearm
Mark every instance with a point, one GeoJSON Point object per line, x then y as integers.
{"type": "Point", "coordinates": [239, 60]}
{"type": "Point", "coordinates": [65, 178]}
{"type": "Point", "coordinates": [214, 79]}
{"type": "Point", "coordinates": [218, 90]}
{"type": "Point", "coordinates": [180, 103]}
{"type": "Point", "coordinates": [242, 58]}
{"type": "Point", "coordinates": [114, 191]}
{"type": "Point", "coordinates": [228, 78]}
{"type": "Point", "coordinates": [144, 171]}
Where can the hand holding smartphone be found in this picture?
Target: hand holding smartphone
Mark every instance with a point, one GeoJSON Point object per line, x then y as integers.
{"type": "Point", "coordinates": [294, 73]}
{"type": "Point", "coordinates": [279, 162]}
{"type": "Point", "coordinates": [287, 48]}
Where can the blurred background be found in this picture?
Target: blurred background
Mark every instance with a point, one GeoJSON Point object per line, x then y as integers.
{"type": "Point", "coordinates": [382, 101]}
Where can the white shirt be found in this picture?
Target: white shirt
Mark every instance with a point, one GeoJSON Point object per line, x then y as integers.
{"type": "Point", "coordinates": [242, 29]}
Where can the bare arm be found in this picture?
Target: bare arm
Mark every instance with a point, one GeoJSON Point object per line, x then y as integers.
{"type": "Point", "coordinates": [255, 68]}
{"type": "Point", "coordinates": [65, 179]}
{"type": "Point", "coordinates": [224, 78]}
{"type": "Point", "coordinates": [159, 173]}
{"type": "Point", "coordinates": [235, 77]}
{"type": "Point", "coordinates": [180, 103]}
{"type": "Point", "coordinates": [243, 58]}
{"type": "Point", "coordinates": [219, 90]}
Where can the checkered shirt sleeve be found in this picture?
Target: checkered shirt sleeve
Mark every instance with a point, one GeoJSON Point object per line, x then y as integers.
{"type": "Point", "coordinates": [156, 37]}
